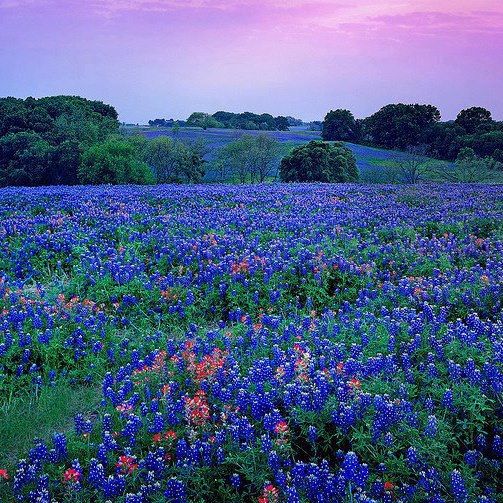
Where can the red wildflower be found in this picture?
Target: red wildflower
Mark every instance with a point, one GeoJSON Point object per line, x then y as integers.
{"type": "Point", "coordinates": [127, 464]}
{"type": "Point", "coordinates": [389, 486]}
{"type": "Point", "coordinates": [355, 383]}
{"type": "Point", "coordinates": [71, 475]}
{"type": "Point", "coordinates": [281, 428]}
{"type": "Point", "coordinates": [270, 494]}
{"type": "Point", "coordinates": [4, 474]}
{"type": "Point", "coordinates": [209, 365]}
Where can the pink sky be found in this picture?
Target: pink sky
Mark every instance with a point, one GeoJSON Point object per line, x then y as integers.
{"type": "Point", "coordinates": [167, 58]}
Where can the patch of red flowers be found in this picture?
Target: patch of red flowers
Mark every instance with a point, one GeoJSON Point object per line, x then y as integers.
{"type": "Point", "coordinates": [389, 486]}
{"type": "Point", "coordinates": [169, 436]}
{"type": "Point", "coordinates": [355, 383]}
{"type": "Point", "coordinates": [281, 428]}
{"type": "Point", "coordinates": [240, 267]}
{"type": "Point", "coordinates": [197, 408]}
{"type": "Point", "coordinates": [210, 364]}
{"type": "Point", "coordinates": [4, 474]}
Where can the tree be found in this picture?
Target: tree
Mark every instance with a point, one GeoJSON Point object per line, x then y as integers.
{"type": "Point", "coordinates": [25, 158]}
{"type": "Point", "coordinates": [319, 162]}
{"type": "Point", "coordinates": [484, 144]}
{"type": "Point", "coordinates": [202, 120]}
{"type": "Point", "coordinates": [114, 161]}
{"type": "Point", "coordinates": [413, 170]}
{"type": "Point", "coordinates": [56, 130]}
{"type": "Point", "coordinates": [263, 157]}
{"type": "Point", "coordinates": [174, 161]}
{"type": "Point", "coordinates": [64, 165]}
{"type": "Point", "coordinates": [400, 126]}
{"type": "Point", "coordinates": [469, 168]}
{"type": "Point", "coordinates": [282, 123]}
{"type": "Point", "coordinates": [339, 125]}
{"type": "Point", "coordinates": [474, 118]}
{"type": "Point", "coordinates": [248, 159]}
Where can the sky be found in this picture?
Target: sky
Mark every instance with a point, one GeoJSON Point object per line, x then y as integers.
{"type": "Point", "coordinates": [168, 58]}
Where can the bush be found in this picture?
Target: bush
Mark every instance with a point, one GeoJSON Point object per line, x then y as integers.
{"type": "Point", "coordinates": [114, 161]}
{"type": "Point", "coordinates": [319, 162]}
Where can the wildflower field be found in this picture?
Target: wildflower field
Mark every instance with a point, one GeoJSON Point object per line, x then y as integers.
{"type": "Point", "coordinates": [268, 344]}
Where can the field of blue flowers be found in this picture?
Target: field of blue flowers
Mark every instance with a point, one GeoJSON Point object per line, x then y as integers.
{"type": "Point", "coordinates": [268, 344]}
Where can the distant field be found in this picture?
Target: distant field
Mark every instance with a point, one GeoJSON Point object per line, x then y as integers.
{"type": "Point", "coordinates": [370, 160]}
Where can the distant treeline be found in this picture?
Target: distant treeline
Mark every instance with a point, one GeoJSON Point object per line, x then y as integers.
{"type": "Point", "coordinates": [166, 123]}
{"type": "Point", "coordinates": [246, 121]}
{"type": "Point", "coordinates": [418, 128]}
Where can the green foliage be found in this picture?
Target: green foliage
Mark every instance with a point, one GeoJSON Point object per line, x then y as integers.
{"type": "Point", "coordinates": [470, 168]}
{"type": "Point", "coordinates": [472, 119]}
{"type": "Point", "coordinates": [399, 126]}
{"type": "Point", "coordinates": [42, 139]}
{"type": "Point", "coordinates": [202, 120]}
{"type": "Point", "coordinates": [339, 125]}
{"type": "Point", "coordinates": [25, 159]}
{"type": "Point", "coordinates": [249, 159]}
{"type": "Point", "coordinates": [319, 162]}
{"type": "Point", "coordinates": [174, 161]}
{"type": "Point", "coordinates": [51, 410]}
{"type": "Point", "coordinates": [245, 120]}
{"type": "Point", "coordinates": [114, 161]}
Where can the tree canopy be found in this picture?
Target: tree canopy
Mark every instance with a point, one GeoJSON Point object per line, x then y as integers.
{"type": "Point", "coordinates": [318, 161]}
{"type": "Point", "coordinates": [42, 139]}
{"type": "Point", "coordinates": [249, 159]}
{"type": "Point", "coordinates": [340, 125]}
{"type": "Point", "coordinates": [114, 161]}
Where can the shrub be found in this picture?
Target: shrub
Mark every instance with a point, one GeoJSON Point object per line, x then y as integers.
{"type": "Point", "coordinates": [319, 162]}
{"type": "Point", "coordinates": [114, 161]}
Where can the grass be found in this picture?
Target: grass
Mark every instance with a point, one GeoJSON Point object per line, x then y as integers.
{"type": "Point", "coordinates": [23, 419]}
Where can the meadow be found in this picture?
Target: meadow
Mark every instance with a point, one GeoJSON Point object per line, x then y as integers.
{"type": "Point", "coordinates": [267, 343]}
{"type": "Point", "coordinates": [374, 164]}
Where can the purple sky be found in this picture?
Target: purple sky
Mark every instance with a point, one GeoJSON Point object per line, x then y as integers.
{"type": "Point", "coordinates": [167, 58]}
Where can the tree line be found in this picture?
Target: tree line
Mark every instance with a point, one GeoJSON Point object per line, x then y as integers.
{"type": "Point", "coordinates": [245, 120]}
{"type": "Point", "coordinates": [70, 140]}
{"type": "Point", "coordinates": [418, 128]}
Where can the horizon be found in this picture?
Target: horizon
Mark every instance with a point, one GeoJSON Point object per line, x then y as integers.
{"type": "Point", "coordinates": [166, 58]}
